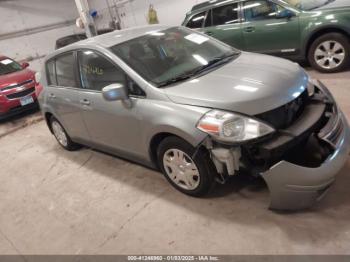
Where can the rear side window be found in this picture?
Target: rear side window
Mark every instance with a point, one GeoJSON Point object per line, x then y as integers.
{"type": "Point", "coordinates": [97, 72]}
{"type": "Point", "coordinates": [65, 70]}
{"type": "Point", "coordinates": [208, 20]}
{"type": "Point", "coordinates": [259, 10]}
{"type": "Point", "coordinates": [224, 15]}
{"type": "Point", "coordinates": [51, 73]}
{"type": "Point", "coordinates": [196, 21]}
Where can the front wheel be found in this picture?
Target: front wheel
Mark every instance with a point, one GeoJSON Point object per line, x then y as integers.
{"type": "Point", "coordinates": [188, 170]}
{"type": "Point", "coordinates": [61, 136]}
{"type": "Point", "coordinates": [330, 53]}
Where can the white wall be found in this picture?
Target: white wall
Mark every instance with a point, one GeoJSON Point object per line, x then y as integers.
{"type": "Point", "coordinates": [104, 17]}
{"type": "Point", "coordinates": [24, 14]}
{"type": "Point", "coordinates": [134, 12]}
{"type": "Point", "coordinates": [169, 12]}
{"type": "Point", "coordinates": [20, 18]}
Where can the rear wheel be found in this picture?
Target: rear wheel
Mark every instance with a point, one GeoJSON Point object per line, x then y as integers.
{"type": "Point", "coordinates": [330, 53]}
{"type": "Point", "coordinates": [188, 171]}
{"type": "Point", "coordinates": [61, 135]}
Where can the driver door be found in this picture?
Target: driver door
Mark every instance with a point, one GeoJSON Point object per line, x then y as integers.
{"type": "Point", "coordinates": [265, 30]}
{"type": "Point", "coordinates": [113, 126]}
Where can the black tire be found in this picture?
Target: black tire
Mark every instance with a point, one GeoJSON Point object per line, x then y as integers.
{"type": "Point", "coordinates": [333, 37]}
{"type": "Point", "coordinates": [201, 159]}
{"type": "Point", "coordinates": [69, 145]}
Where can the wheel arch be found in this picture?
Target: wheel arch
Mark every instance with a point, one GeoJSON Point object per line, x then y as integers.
{"type": "Point", "coordinates": [160, 136]}
{"type": "Point", "coordinates": [48, 116]}
{"type": "Point", "coordinates": [322, 31]}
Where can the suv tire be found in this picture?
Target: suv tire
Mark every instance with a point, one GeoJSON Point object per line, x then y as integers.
{"type": "Point", "coordinates": [189, 171]}
{"type": "Point", "coordinates": [329, 53]}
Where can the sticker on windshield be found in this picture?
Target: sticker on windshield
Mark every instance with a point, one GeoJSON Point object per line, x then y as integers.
{"type": "Point", "coordinates": [6, 61]}
{"type": "Point", "coordinates": [196, 38]}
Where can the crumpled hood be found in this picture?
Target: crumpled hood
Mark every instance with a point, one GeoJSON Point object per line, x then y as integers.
{"type": "Point", "coordinates": [16, 77]}
{"type": "Point", "coordinates": [251, 84]}
{"type": "Point", "coordinates": [335, 4]}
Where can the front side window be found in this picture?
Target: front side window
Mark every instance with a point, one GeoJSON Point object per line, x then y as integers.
{"type": "Point", "coordinates": [8, 66]}
{"type": "Point", "coordinates": [161, 56]}
{"type": "Point", "coordinates": [65, 65]}
{"type": "Point", "coordinates": [97, 72]}
{"type": "Point", "coordinates": [196, 21]}
{"type": "Point", "coordinates": [224, 15]}
{"type": "Point", "coordinates": [260, 10]}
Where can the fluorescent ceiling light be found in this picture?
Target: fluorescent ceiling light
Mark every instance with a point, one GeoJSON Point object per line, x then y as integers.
{"type": "Point", "coordinates": [251, 6]}
{"type": "Point", "coordinates": [198, 18]}
{"type": "Point", "coordinates": [250, 89]}
{"type": "Point", "coordinates": [155, 33]}
{"type": "Point", "coordinates": [224, 2]}
{"type": "Point", "coordinates": [200, 59]}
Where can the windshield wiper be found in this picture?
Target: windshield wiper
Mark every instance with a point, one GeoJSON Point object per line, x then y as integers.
{"type": "Point", "coordinates": [176, 79]}
{"type": "Point", "coordinates": [215, 62]}
{"type": "Point", "coordinates": [212, 63]}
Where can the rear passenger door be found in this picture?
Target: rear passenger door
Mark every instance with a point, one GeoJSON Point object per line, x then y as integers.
{"type": "Point", "coordinates": [63, 94]}
{"type": "Point", "coordinates": [224, 23]}
{"type": "Point", "coordinates": [112, 125]}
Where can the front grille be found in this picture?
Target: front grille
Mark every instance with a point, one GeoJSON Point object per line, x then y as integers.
{"type": "Point", "coordinates": [22, 93]}
{"type": "Point", "coordinates": [17, 85]}
{"type": "Point", "coordinates": [285, 116]}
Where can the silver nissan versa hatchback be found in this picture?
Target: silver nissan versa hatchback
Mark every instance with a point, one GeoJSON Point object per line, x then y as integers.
{"type": "Point", "coordinates": [197, 109]}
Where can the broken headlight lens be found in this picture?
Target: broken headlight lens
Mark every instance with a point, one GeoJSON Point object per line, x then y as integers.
{"type": "Point", "coordinates": [231, 127]}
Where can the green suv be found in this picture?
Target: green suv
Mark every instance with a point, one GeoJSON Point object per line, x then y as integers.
{"type": "Point", "coordinates": [316, 30]}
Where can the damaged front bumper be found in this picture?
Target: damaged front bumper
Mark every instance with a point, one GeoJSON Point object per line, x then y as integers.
{"type": "Point", "coordinates": [294, 187]}
{"type": "Point", "coordinates": [299, 162]}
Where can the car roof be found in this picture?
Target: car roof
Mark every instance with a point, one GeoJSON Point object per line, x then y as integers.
{"type": "Point", "coordinates": [110, 39]}
{"type": "Point", "coordinates": [205, 5]}
{"type": "Point", "coordinates": [119, 36]}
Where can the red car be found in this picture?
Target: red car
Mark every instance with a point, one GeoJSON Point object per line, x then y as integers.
{"type": "Point", "coordinates": [17, 87]}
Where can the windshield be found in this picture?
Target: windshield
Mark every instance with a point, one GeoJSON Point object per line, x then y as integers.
{"type": "Point", "coordinates": [308, 5]}
{"type": "Point", "coordinates": [164, 56]}
{"type": "Point", "coordinates": [8, 66]}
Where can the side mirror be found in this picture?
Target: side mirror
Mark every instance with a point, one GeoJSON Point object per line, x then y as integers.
{"type": "Point", "coordinates": [114, 92]}
{"type": "Point", "coordinates": [25, 65]}
{"type": "Point", "coordinates": [286, 13]}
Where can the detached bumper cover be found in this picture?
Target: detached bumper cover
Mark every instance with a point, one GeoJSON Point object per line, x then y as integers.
{"type": "Point", "coordinates": [294, 187]}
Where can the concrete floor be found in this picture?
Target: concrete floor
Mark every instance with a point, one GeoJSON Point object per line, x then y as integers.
{"type": "Point", "coordinates": [85, 202]}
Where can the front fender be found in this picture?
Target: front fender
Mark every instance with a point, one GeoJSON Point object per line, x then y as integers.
{"type": "Point", "coordinates": [168, 117]}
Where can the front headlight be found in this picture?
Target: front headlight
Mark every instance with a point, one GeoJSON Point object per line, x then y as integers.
{"type": "Point", "coordinates": [232, 127]}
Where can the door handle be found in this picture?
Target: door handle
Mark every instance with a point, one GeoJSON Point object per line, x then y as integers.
{"type": "Point", "coordinates": [52, 96]}
{"type": "Point", "coordinates": [249, 29]}
{"type": "Point", "coordinates": [209, 33]}
{"type": "Point", "coordinates": [85, 102]}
